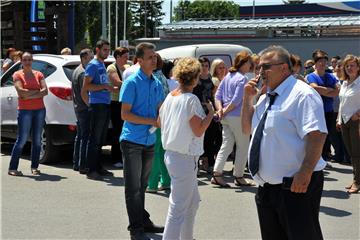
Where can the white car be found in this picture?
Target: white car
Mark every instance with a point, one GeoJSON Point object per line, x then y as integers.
{"type": "Point", "coordinates": [60, 127]}
{"type": "Point", "coordinates": [226, 52]}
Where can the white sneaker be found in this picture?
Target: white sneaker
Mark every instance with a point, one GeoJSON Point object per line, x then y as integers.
{"type": "Point", "coordinates": [119, 165]}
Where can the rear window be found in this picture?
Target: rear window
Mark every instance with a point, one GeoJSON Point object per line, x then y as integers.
{"type": "Point", "coordinates": [226, 58]}
{"type": "Point", "coordinates": [68, 70]}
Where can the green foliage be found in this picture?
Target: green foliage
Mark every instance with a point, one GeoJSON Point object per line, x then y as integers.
{"type": "Point", "coordinates": [145, 17]}
{"type": "Point", "coordinates": [206, 9]}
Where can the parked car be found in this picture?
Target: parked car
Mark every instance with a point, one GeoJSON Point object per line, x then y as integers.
{"type": "Point", "coordinates": [60, 128]}
{"type": "Point", "coordinates": [226, 52]}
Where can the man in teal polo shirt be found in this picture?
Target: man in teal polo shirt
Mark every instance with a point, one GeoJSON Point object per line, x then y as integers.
{"type": "Point", "coordinates": [141, 96]}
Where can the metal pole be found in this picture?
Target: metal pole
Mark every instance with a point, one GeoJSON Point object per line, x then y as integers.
{"type": "Point", "coordinates": [124, 35]}
{"type": "Point", "coordinates": [145, 27]}
{"type": "Point", "coordinates": [171, 9]}
{"type": "Point", "coordinates": [253, 13]}
{"type": "Point", "coordinates": [116, 24]}
{"type": "Point", "coordinates": [103, 19]}
{"type": "Point", "coordinates": [109, 20]}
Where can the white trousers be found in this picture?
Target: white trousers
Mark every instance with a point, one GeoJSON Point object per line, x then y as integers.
{"type": "Point", "coordinates": [184, 198]}
{"type": "Point", "coordinates": [232, 134]}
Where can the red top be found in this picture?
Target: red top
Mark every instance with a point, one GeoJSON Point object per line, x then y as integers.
{"type": "Point", "coordinates": [32, 83]}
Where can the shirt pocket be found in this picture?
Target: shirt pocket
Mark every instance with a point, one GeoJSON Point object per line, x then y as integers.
{"type": "Point", "coordinates": [273, 120]}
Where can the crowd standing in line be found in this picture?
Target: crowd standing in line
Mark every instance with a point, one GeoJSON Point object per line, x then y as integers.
{"type": "Point", "coordinates": [164, 142]}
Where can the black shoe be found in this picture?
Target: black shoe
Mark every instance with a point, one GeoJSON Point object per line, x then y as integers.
{"type": "Point", "coordinates": [152, 228]}
{"type": "Point", "coordinates": [139, 236]}
{"type": "Point", "coordinates": [76, 169]}
{"type": "Point", "coordinates": [94, 176]}
{"type": "Point", "coordinates": [104, 172]}
{"type": "Point", "coordinates": [83, 170]}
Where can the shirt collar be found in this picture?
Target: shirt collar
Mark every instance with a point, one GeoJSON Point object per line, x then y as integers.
{"type": "Point", "coordinates": [144, 76]}
{"type": "Point", "coordinates": [288, 82]}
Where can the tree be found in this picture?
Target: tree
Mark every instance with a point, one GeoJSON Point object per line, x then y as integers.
{"type": "Point", "coordinates": [146, 16]}
{"type": "Point", "coordinates": [207, 9]}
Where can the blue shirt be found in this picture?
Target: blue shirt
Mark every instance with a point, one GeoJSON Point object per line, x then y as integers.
{"type": "Point", "coordinates": [97, 71]}
{"type": "Point", "coordinates": [145, 95]}
{"type": "Point", "coordinates": [328, 80]}
{"type": "Point", "coordinates": [231, 91]}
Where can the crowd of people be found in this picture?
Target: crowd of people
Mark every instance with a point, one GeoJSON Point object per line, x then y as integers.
{"type": "Point", "coordinates": [171, 119]}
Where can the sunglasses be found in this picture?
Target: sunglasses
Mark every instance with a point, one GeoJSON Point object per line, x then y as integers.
{"type": "Point", "coordinates": [267, 66]}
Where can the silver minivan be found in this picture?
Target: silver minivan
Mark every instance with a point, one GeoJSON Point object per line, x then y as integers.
{"type": "Point", "coordinates": [226, 52]}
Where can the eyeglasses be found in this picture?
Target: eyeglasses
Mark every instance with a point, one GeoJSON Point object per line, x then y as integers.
{"type": "Point", "coordinates": [267, 66]}
{"type": "Point", "coordinates": [27, 60]}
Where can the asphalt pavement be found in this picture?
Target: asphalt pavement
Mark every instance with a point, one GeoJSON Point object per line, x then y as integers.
{"type": "Point", "coordinates": [62, 204]}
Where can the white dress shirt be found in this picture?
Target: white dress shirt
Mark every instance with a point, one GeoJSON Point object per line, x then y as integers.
{"type": "Point", "coordinates": [349, 100]}
{"type": "Point", "coordinates": [297, 111]}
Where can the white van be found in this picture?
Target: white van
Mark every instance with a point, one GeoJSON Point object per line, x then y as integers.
{"type": "Point", "coordinates": [226, 52]}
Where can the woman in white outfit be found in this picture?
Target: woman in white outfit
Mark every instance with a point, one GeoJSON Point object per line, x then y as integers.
{"type": "Point", "coordinates": [183, 124]}
{"type": "Point", "coordinates": [228, 100]}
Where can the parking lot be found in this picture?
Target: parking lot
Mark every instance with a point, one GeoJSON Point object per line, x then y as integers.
{"type": "Point", "coordinates": [61, 204]}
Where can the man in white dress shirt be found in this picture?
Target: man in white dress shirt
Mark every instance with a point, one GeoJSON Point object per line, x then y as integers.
{"type": "Point", "coordinates": [288, 132]}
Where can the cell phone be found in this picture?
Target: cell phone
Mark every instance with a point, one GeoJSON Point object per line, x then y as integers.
{"type": "Point", "coordinates": [259, 82]}
{"type": "Point", "coordinates": [286, 183]}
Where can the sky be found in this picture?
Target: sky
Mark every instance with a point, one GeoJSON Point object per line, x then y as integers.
{"type": "Point", "coordinates": [166, 5]}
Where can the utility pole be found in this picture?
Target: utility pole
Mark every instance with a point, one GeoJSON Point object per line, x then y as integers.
{"type": "Point", "coordinates": [116, 24]}
{"type": "Point", "coordinates": [109, 21]}
{"type": "Point", "coordinates": [124, 35]}
{"type": "Point", "coordinates": [103, 19]}
{"type": "Point", "coordinates": [253, 12]}
{"type": "Point", "coordinates": [145, 2]}
{"type": "Point", "coordinates": [171, 9]}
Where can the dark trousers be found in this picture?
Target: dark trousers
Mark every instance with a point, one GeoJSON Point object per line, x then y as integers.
{"type": "Point", "coordinates": [137, 166]}
{"type": "Point", "coordinates": [341, 154]}
{"type": "Point", "coordinates": [81, 139]}
{"type": "Point", "coordinates": [117, 124]}
{"type": "Point", "coordinates": [28, 121]}
{"type": "Point", "coordinates": [212, 141]}
{"type": "Point", "coordinates": [99, 123]}
{"type": "Point", "coordinates": [351, 135]}
{"type": "Point", "coordinates": [287, 215]}
{"type": "Point", "coordinates": [329, 116]}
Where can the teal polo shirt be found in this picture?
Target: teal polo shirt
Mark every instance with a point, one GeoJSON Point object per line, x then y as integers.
{"type": "Point", "coordinates": [144, 94]}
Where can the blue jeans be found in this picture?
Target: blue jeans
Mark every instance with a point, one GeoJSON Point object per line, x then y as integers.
{"type": "Point", "coordinates": [28, 120]}
{"type": "Point", "coordinates": [81, 139]}
{"type": "Point", "coordinates": [99, 124]}
{"type": "Point", "coordinates": [137, 166]}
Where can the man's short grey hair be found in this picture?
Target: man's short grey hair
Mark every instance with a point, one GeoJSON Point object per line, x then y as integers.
{"type": "Point", "coordinates": [141, 47]}
{"type": "Point", "coordinates": [85, 52]}
{"type": "Point", "coordinates": [281, 54]}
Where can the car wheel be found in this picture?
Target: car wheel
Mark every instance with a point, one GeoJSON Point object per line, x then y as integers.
{"type": "Point", "coordinates": [48, 151]}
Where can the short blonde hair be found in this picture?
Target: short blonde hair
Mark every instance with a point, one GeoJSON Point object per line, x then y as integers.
{"type": "Point", "coordinates": [216, 62]}
{"type": "Point", "coordinates": [187, 70]}
{"type": "Point", "coordinates": [350, 58]}
{"type": "Point", "coordinates": [65, 51]}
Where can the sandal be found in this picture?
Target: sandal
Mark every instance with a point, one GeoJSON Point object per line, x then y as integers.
{"type": "Point", "coordinates": [349, 186]}
{"type": "Point", "coordinates": [15, 173]}
{"type": "Point", "coordinates": [354, 188]}
{"type": "Point", "coordinates": [241, 181]}
{"type": "Point", "coordinates": [215, 181]}
{"type": "Point", "coordinates": [35, 172]}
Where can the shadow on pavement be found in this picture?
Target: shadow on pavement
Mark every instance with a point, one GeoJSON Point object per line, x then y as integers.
{"type": "Point", "coordinates": [329, 179]}
{"type": "Point", "coordinates": [114, 181]}
{"type": "Point", "coordinates": [335, 194]}
{"type": "Point", "coordinates": [340, 170]}
{"type": "Point", "coordinates": [46, 177]}
{"type": "Point", "coordinates": [334, 212]}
